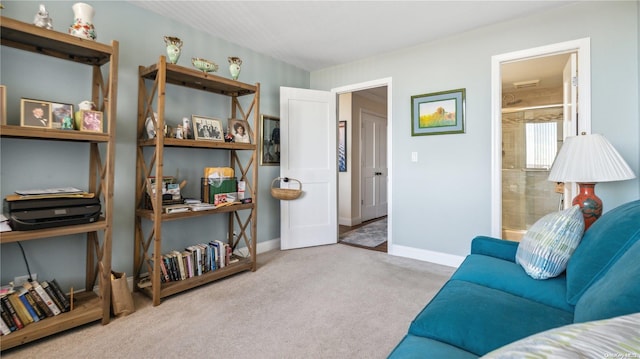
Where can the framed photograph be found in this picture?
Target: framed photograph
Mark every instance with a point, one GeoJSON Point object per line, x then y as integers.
{"type": "Point", "coordinates": [240, 131]}
{"type": "Point", "coordinates": [91, 121]}
{"type": "Point", "coordinates": [3, 105]}
{"type": "Point", "coordinates": [187, 129]}
{"type": "Point", "coordinates": [342, 146]}
{"type": "Point", "coordinates": [269, 140]}
{"type": "Point", "coordinates": [62, 116]}
{"type": "Point", "coordinates": [35, 113]}
{"type": "Point", "coordinates": [206, 128]}
{"type": "Point", "coordinates": [438, 113]}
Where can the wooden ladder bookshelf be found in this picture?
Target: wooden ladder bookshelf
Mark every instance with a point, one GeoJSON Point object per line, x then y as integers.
{"type": "Point", "coordinates": [88, 306]}
{"type": "Point", "coordinates": [148, 246]}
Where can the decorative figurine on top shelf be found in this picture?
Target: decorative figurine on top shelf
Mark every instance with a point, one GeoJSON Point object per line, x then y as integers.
{"type": "Point", "coordinates": [83, 106]}
{"type": "Point", "coordinates": [174, 47]}
{"type": "Point", "coordinates": [42, 18]}
{"type": "Point", "coordinates": [204, 65]}
{"type": "Point", "coordinates": [82, 26]}
{"type": "Point", "coordinates": [234, 67]}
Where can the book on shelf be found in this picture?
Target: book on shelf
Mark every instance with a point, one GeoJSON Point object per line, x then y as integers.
{"type": "Point", "coordinates": [20, 309]}
{"type": "Point", "coordinates": [180, 262]}
{"type": "Point", "coordinates": [57, 290]}
{"type": "Point", "coordinates": [4, 328]}
{"type": "Point", "coordinates": [167, 265]}
{"type": "Point", "coordinates": [49, 289]}
{"type": "Point", "coordinates": [31, 305]}
{"type": "Point", "coordinates": [222, 253]}
{"type": "Point", "coordinates": [188, 264]}
{"type": "Point", "coordinates": [39, 301]}
{"type": "Point", "coordinates": [163, 269]}
{"type": "Point", "coordinates": [46, 298]}
{"type": "Point", "coordinates": [12, 311]}
{"type": "Point", "coordinates": [6, 318]}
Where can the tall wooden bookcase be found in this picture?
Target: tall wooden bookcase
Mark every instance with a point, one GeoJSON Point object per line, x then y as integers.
{"type": "Point", "coordinates": [148, 248]}
{"type": "Point", "coordinates": [88, 306]}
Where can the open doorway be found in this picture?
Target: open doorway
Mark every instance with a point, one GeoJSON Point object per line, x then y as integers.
{"type": "Point", "coordinates": [533, 129]}
{"type": "Point", "coordinates": [536, 97]}
{"type": "Point", "coordinates": [363, 168]}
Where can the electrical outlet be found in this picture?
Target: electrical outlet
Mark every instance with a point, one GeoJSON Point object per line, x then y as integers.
{"type": "Point", "coordinates": [19, 281]}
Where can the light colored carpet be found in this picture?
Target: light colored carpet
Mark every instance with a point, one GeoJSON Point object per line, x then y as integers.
{"type": "Point", "coordinates": [331, 301]}
{"type": "Point", "coordinates": [370, 235]}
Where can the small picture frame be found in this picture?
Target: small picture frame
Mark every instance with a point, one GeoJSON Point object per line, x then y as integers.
{"type": "Point", "coordinates": [206, 128]}
{"type": "Point", "coordinates": [3, 104]}
{"type": "Point", "coordinates": [187, 129]}
{"type": "Point", "coordinates": [342, 146]}
{"type": "Point", "coordinates": [62, 116]}
{"type": "Point", "coordinates": [240, 131]}
{"type": "Point", "coordinates": [438, 113]}
{"type": "Point", "coordinates": [269, 140]}
{"type": "Point", "coordinates": [91, 121]}
{"type": "Point", "coordinates": [35, 113]}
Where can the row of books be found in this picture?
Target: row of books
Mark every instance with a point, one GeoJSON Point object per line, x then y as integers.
{"type": "Point", "coordinates": [195, 260]}
{"type": "Point", "coordinates": [31, 303]}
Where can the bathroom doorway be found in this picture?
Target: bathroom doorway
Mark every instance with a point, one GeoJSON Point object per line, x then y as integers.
{"type": "Point", "coordinates": [535, 108]}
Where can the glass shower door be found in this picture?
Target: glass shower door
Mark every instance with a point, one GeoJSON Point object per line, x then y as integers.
{"type": "Point", "coordinates": [530, 140]}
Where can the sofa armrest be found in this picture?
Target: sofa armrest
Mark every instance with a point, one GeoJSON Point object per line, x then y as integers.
{"type": "Point", "coordinates": [494, 247]}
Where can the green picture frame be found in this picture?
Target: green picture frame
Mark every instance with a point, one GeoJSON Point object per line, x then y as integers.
{"type": "Point", "coordinates": [438, 113]}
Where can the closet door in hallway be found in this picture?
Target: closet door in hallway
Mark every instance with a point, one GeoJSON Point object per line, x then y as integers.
{"type": "Point", "coordinates": [374, 165]}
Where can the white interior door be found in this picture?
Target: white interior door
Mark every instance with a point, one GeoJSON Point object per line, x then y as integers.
{"type": "Point", "coordinates": [374, 166]}
{"type": "Point", "coordinates": [570, 112]}
{"type": "Point", "coordinates": [308, 142]}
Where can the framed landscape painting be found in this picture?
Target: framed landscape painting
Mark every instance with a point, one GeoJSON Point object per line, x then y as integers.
{"type": "Point", "coordinates": [438, 113]}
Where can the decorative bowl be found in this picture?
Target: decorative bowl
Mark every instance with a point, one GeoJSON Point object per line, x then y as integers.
{"type": "Point", "coordinates": [204, 65]}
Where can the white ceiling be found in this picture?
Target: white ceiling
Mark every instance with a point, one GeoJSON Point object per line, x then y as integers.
{"type": "Point", "coordinates": [313, 35]}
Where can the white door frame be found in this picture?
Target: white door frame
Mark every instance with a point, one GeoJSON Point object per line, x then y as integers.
{"type": "Point", "coordinates": [583, 48]}
{"type": "Point", "coordinates": [364, 86]}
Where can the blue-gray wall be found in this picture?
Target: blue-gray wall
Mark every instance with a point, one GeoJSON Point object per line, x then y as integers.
{"type": "Point", "coordinates": [442, 201]}
{"type": "Point", "coordinates": [140, 34]}
{"type": "Point", "coordinates": [439, 203]}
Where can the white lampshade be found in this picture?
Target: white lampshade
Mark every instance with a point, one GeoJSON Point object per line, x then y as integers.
{"type": "Point", "coordinates": [589, 159]}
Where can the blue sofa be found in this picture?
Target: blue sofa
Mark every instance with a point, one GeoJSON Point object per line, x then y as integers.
{"type": "Point", "coordinates": [490, 301]}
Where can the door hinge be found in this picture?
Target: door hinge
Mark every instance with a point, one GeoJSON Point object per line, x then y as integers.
{"type": "Point", "coordinates": [574, 81]}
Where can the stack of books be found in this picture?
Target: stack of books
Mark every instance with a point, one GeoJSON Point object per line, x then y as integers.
{"type": "Point", "coordinates": [31, 303]}
{"type": "Point", "coordinates": [195, 260]}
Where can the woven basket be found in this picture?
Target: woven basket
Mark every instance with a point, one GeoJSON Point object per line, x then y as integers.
{"type": "Point", "coordinates": [286, 193]}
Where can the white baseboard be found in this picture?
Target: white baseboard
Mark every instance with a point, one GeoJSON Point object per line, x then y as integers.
{"type": "Point", "coordinates": [426, 255]}
{"type": "Point", "coordinates": [268, 245]}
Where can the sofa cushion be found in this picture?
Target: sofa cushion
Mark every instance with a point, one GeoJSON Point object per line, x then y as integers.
{"type": "Point", "coordinates": [510, 277]}
{"type": "Point", "coordinates": [602, 244]}
{"type": "Point", "coordinates": [413, 347]}
{"type": "Point", "coordinates": [617, 337]}
{"type": "Point", "coordinates": [547, 246]}
{"type": "Point", "coordinates": [616, 293]}
{"type": "Point", "coordinates": [479, 319]}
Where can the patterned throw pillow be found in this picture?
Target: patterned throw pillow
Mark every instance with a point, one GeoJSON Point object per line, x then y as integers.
{"type": "Point", "coordinates": [547, 246]}
{"type": "Point", "coordinates": [617, 337]}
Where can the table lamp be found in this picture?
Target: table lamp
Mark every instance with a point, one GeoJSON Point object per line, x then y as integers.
{"type": "Point", "coordinates": [587, 160]}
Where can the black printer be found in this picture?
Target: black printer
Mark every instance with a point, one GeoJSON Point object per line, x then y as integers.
{"type": "Point", "coordinates": [30, 214]}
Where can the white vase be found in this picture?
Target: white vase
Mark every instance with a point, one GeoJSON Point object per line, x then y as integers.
{"type": "Point", "coordinates": [83, 21]}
